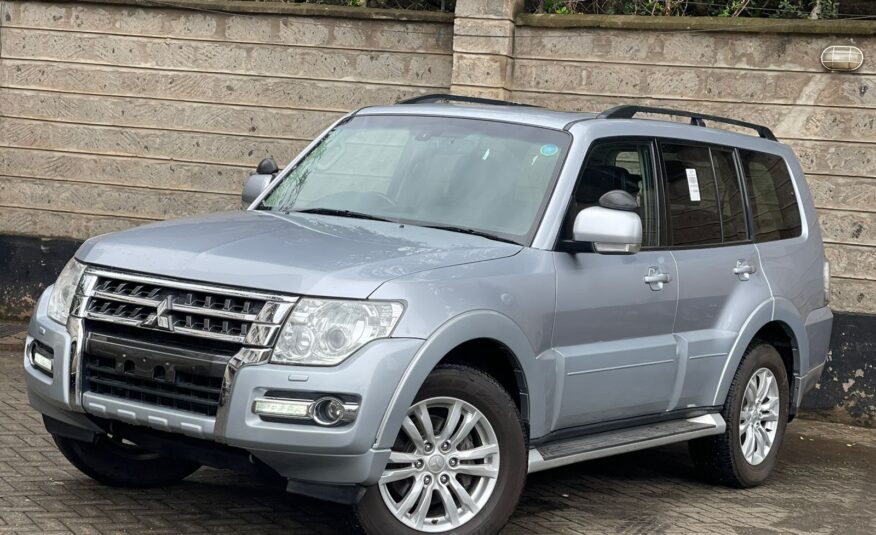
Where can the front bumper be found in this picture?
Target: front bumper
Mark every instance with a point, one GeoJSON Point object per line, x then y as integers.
{"type": "Point", "coordinates": [341, 455]}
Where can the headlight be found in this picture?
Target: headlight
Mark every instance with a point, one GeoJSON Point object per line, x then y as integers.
{"type": "Point", "coordinates": [324, 332]}
{"type": "Point", "coordinates": [64, 290]}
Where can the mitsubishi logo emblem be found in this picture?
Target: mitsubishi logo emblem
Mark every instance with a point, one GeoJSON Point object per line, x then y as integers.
{"type": "Point", "coordinates": [158, 319]}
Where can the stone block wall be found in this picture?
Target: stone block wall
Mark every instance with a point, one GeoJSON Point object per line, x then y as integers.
{"type": "Point", "coordinates": [115, 113]}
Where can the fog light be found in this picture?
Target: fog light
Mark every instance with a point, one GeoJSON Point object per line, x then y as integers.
{"type": "Point", "coordinates": [283, 408]}
{"type": "Point", "coordinates": [42, 359]}
{"type": "Point", "coordinates": [328, 411]}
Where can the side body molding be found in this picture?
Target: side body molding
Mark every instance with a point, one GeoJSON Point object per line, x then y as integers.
{"type": "Point", "coordinates": [773, 309]}
{"type": "Point", "coordinates": [477, 324]}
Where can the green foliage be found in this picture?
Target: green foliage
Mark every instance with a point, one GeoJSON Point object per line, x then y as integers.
{"type": "Point", "coordinates": [421, 5]}
{"type": "Point", "coordinates": [785, 9]}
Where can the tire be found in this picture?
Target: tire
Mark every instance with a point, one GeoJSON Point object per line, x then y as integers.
{"type": "Point", "coordinates": [119, 464]}
{"type": "Point", "coordinates": [721, 458]}
{"type": "Point", "coordinates": [503, 432]}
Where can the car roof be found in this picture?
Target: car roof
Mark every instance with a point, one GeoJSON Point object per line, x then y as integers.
{"type": "Point", "coordinates": [511, 113]}
{"type": "Point", "coordinates": [562, 120]}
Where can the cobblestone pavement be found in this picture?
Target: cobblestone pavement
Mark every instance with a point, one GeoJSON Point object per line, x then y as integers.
{"type": "Point", "coordinates": [825, 483]}
{"type": "Point", "coordinates": [12, 335]}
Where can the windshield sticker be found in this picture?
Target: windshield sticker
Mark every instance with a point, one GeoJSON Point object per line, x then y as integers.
{"type": "Point", "coordinates": [549, 150]}
{"type": "Point", "coordinates": [693, 185]}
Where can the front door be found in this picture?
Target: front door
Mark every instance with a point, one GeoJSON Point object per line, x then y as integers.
{"type": "Point", "coordinates": [615, 313]}
{"type": "Point", "coordinates": [718, 265]}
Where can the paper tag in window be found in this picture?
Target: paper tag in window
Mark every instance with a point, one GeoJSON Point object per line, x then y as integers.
{"type": "Point", "coordinates": [693, 185]}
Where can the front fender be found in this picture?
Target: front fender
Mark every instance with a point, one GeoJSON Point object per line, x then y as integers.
{"type": "Point", "coordinates": [463, 328]}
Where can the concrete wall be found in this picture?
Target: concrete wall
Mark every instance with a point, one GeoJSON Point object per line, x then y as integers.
{"type": "Point", "coordinates": [773, 79]}
{"type": "Point", "coordinates": [113, 114]}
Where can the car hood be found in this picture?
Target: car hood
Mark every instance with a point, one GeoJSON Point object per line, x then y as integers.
{"type": "Point", "coordinates": [295, 253]}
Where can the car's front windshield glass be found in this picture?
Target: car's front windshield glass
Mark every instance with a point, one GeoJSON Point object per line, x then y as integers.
{"type": "Point", "coordinates": [484, 176]}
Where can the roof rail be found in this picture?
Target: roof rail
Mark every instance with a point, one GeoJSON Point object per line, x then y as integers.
{"type": "Point", "coordinates": [430, 99]}
{"type": "Point", "coordinates": [696, 119]}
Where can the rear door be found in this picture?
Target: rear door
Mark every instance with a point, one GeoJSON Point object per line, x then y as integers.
{"type": "Point", "coordinates": [720, 280]}
{"type": "Point", "coordinates": [613, 330]}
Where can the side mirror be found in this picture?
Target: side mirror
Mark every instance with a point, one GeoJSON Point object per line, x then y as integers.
{"type": "Point", "coordinates": [267, 167]}
{"type": "Point", "coordinates": [258, 182]}
{"type": "Point", "coordinates": [254, 187]}
{"type": "Point", "coordinates": [613, 227]}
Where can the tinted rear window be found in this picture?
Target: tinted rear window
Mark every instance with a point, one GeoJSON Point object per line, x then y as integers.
{"type": "Point", "coordinates": [694, 215]}
{"type": "Point", "coordinates": [773, 202]}
{"type": "Point", "coordinates": [730, 193]}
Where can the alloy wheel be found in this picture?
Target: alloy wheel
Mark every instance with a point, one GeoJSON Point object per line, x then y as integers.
{"type": "Point", "coordinates": [759, 416]}
{"type": "Point", "coordinates": [443, 467]}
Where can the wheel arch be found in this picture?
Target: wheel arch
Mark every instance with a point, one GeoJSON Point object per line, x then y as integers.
{"type": "Point", "coordinates": [454, 342]}
{"type": "Point", "coordinates": [776, 321]}
{"type": "Point", "coordinates": [497, 360]}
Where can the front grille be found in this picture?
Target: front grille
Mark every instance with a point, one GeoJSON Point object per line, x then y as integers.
{"type": "Point", "coordinates": [167, 342]}
{"type": "Point", "coordinates": [191, 309]}
{"type": "Point", "coordinates": [155, 372]}
{"type": "Point", "coordinates": [183, 391]}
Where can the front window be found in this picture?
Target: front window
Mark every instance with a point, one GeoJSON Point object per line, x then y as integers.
{"type": "Point", "coordinates": [619, 165]}
{"type": "Point", "coordinates": [489, 177]}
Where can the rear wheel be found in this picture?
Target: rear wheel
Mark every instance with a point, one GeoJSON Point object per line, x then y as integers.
{"type": "Point", "coordinates": [756, 412]}
{"type": "Point", "coordinates": [458, 464]}
{"type": "Point", "coordinates": [119, 463]}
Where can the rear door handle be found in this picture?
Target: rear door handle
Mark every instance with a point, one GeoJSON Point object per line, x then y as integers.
{"type": "Point", "coordinates": [655, 279]}
{"type": "Point", "coordinates": [744, 270]}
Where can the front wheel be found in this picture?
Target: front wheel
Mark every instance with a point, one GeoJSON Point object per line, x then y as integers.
{"type": "Point", "coordinates": [458, 464]}
{"type": "Point", "coordinates": [756, 412]}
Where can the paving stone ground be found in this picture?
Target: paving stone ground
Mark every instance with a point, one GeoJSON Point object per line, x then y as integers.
{"type": "Point", "coordinates": [12, 335]}
{"type": "Point", "coordinates": [825, 483]}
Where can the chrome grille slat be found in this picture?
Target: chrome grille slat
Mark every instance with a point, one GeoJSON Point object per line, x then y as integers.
{"type": "Point", "coordinates": [245, 317]}
{"type": "Point", "coordinates": [214, 313]}
{"type": "Point", "coordinates": [192, 286]}
{"type": "Point", "coordinates": [126, 299]}
{"type": "Point", "coordinates": [113, 319]}
{"type": "Point", "coordinates": [238, 339]}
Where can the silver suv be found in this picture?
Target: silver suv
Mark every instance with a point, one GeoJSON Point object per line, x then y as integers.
{"type": "Point", "coordinates": [436, 298]}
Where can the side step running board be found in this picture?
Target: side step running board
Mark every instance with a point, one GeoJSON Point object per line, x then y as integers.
{"type": "Point", "coordinates": [615, 442]}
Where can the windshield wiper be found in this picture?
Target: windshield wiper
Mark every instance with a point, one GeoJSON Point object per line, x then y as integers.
{"type": "Point", "coordinates": [342, 213]}
{"type": "Point", "coordinates": [473, 232]}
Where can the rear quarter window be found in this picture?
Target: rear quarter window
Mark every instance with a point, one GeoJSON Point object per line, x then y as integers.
{"type": "Point", "coordinates": [774, 205]}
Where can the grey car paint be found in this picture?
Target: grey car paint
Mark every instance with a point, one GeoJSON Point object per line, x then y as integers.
{"type": "Point", "coordinates": [708, 322]}
{"type": "Point", "coordinates": [627, 336]}
{"type": "Point", "coordinates": [296, 253]}
{"type": "Point", "coordinates": [592, 340]}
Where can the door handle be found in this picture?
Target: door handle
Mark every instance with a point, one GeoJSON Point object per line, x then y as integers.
{"type": "Point", "coordinates": [655, 279]}
{"type": "Point", "coordinates": [744, 270]}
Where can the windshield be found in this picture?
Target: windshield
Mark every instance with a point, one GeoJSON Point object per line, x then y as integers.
{"type": "Point", "coordinates": [487, 177]}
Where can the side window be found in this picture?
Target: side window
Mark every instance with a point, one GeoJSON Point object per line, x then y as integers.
{"type": "Point", "coordinates": [773, 203]}
{"type": "Point", "coordinates": [628, 166]}
{"type": "Point", "coordinates": [692, 195]}
{"type": "Point", "coordinates": [733, 221]}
